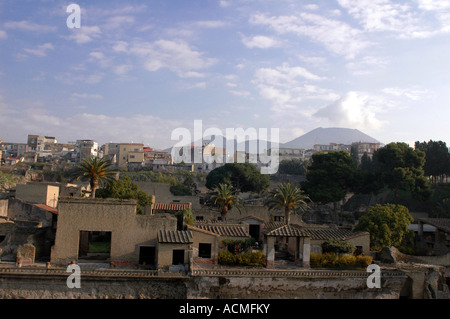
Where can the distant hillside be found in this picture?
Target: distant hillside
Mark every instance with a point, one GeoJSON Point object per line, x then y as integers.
{"type": "Point", "coordinates": [329, 135]}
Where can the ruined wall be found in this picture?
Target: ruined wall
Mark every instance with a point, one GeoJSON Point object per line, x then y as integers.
{"type": "Point", "coordinates": [53, 287]}
{"type": "Point", "coordinates": [20, 210]}
{"type": "Point", "coordinates": [128, 230]}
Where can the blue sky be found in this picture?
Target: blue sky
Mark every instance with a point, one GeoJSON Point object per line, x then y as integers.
{"type": "Point", "coordinates": [136, 70]}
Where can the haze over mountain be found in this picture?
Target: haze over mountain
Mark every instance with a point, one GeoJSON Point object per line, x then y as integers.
{"type": "Point", "coordinates": [329, 135]}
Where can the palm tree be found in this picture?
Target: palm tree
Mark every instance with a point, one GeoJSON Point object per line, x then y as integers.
{"type": "Point", "coordinates": [97, 171]}
{"type": "Point", "coordinates": [287, 197]}
{"type": "Point", "coordinates": [224, 196]}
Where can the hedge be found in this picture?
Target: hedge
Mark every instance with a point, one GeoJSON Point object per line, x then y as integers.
{"type": "Point", "coordinates": [329, 260]}
{"type": "Point", "coordinates": [255, 259]}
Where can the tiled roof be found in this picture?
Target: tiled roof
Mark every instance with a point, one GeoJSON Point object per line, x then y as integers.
{"type": "Point", "coordinates": [440, 223]}
{"type": "Point", "coordinates": [315, 232]}
{"type": "Point", "coordinates": [251, 217]}
{"type": "Point", "coordinates": [287, 231]}
{"type": "Point", "coordinates": [330, 233]}
{"type": "Point", "coordinates": [175, 236]}
{"type": "Point", "coordinates": [47, 208]}
{"type": "Point", "coordinates": [171, 206]}
{"type": "Point", "coordinates": [225, 230]}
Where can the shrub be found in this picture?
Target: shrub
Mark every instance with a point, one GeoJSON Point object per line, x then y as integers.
{"type": "Point", "coordinates": [337, 246]}
{"type": "Point", "coordinates": [243, 245]}
{"type": "Point", "coordinates": [330, 260]}
{"type": "Point", "coordinates": [255, 259]}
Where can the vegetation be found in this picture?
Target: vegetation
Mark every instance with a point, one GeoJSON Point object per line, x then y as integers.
{"type": "Point", "coordinates": [239, 245]}
{"type": "Point", "coordinates": [287, 197]}
{"type": "Point", "coordinates": [292, 167]}
{"type": "Point", "coordinates": [225, 198]}
{"type": "Point", "coordinates": [437, 159]}
{"type": "Point", "coordinates": [98, 171]}
{"type": "Point", "coordinates": [338, 247]}
{"type": "Point", "coordinates": [244, 177]}
{"type": "Point", "coordinates": [330, 260]}
{"type": "Point", "coordinates": [124, 188]}
{"type": "Point", "coordinates": [387, 224]}
{"type": "Point", "coordinates": [400, 167]}
{"type": "Point", "coordinates": [185, 217]}
{"type": "Point", "coordinates": [253, 259]}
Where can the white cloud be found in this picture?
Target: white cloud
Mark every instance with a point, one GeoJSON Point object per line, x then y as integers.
{"type": "Point", "coordinates": [86, 96]}
{"type": "Point", "coordinates": [28, 26]}
{"type": "Point", "coordinates": [411, 94]}
{"type": "Point", "coordinates": [122, 69]}
{"type": "Point", "coordinates": [84, 34]}
{"type": "Point", "coordinates": [335, 35]}
{"type": "Point", "coordinates": [3, 34]}
{"type": "Point", "coordinates": [355, 110]}
{"type": "Point", "coordinates": [40, 50]}
{"type": "Point", "coordinates": [366, 65]}
{"type": "Point", "coordinates": [260, 41]}
{"type": "Point", "coordinates": [433, 5]}
{"type": "Point", "coordinates": [175, 55]}
{"type": "Point", "coordinates": [399, 18]}
{"type": "Point", "coordinates": [211, 24]}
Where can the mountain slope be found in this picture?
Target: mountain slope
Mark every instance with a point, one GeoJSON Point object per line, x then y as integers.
{"type": "Point", "coordinates": [329, 135]}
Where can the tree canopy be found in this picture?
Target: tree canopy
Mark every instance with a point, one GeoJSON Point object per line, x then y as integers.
{"type": "Point", "coordinates": [244, 177]}
{"type": "Point", "coordinates": [330, 176]}
{"type": "Point", "coordinates": [387, 224]}
{"type": "Point", "coordinates": [437, 158]}
{"type": "Point", "coordinates": [98, 171]}
{"type": "Point", "coordinates": [289, 198]}
{"type": "Point", "coordinates": [124, 188]}
{"type": "Point", "coordinates": [400, 167]}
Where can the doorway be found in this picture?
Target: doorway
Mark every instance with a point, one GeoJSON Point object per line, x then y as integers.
{"type": "Point", "coordinates": [147, 255]}
{"type": "Point", "coordinates": [254, 231]}
{"type": "Point", "coordinates": [94, 245]}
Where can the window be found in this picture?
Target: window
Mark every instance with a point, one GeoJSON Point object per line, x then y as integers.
{"type": "Point", "coordinates": [131, 156]}
{"type": "Point", "coordinates": [204, 250]}
{"type": "Point", "coordinates": [198, 217]}
{"type": "Point", "coordinates": [178, 256]}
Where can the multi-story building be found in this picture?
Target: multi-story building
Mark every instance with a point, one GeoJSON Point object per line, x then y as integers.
{"type": "Point", "coordinates": [123, 154]}
{"type": "Point", "coordinates": [361, 148]}
{"type": "Point", "coordinates": [86, 149]}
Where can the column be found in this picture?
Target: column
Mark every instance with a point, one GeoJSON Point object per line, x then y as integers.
{"type": "Point", "coordinates": [306, 251]}
{"type": "Point", "coordinates": [270, 251]}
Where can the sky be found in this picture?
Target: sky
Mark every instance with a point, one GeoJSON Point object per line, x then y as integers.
{"type": "Point", "coordinates": [135, 71]}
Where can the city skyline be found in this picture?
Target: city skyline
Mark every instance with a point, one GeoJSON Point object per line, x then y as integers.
{"type": "Point", "coordinates": [136, 71]}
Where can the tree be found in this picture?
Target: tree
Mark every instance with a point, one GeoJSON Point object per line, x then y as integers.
{"type": "Point", "coordinates": [244, 177]}
{"type": "Point", "coordinates": [288, 198]}
{"type": "Point", "coordinates": [292, 167]}
{"type": "Point", "coordinates": [225, 198]}
{"type": "Point", "coordinates": [400, 167]}
{"type": "Point", "coordinates": [330, 177]}
{"type": "Point", "coordinates": [124, 188]}
{"type": "Point", "coordinates": [387, 224]}
{"type": "Point", "coordinates": [98, 171]}
{"type": "Point", "coordinates": [437, 159]}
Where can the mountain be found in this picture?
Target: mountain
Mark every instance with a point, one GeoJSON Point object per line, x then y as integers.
{"type": "Point", "coordinates": [329, 135]}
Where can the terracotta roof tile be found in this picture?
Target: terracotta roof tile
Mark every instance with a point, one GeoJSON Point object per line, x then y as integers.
{"type": "Point", "coordinates": [47, 208]}
{"type": "Point", "coordinates": [175, 236]}
{"type": "Point", "coordinates": [225, 230]}
{"type": "Point", "coordinates": [171, 206]}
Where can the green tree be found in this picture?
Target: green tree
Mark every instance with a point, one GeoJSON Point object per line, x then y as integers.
{"type": "Point", "coordinates": [289, 198]}
{"type": "Point", "coordinates": [330, 177]}
{"type": "Point", "coordinates": [185, 217]}
{"type": "Point", "coordinates": [124, 188]}
{"type": "Point", "coordinates": [292, 167]}
{"type": "Point", "coordinates": [225, 198]}
{"type": "Point", "coordinates": [244, 177]}
{"type": "Point", "coordinates": [98, 171]}
{"type": "Point", "coordinates": [400, 167]}
{"type": "Point", "coordinates": [387, 224]}
{"type": "Point", "coordinates": [437, 159]}
{"type": "Point", "coordinates": [337, 246]}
